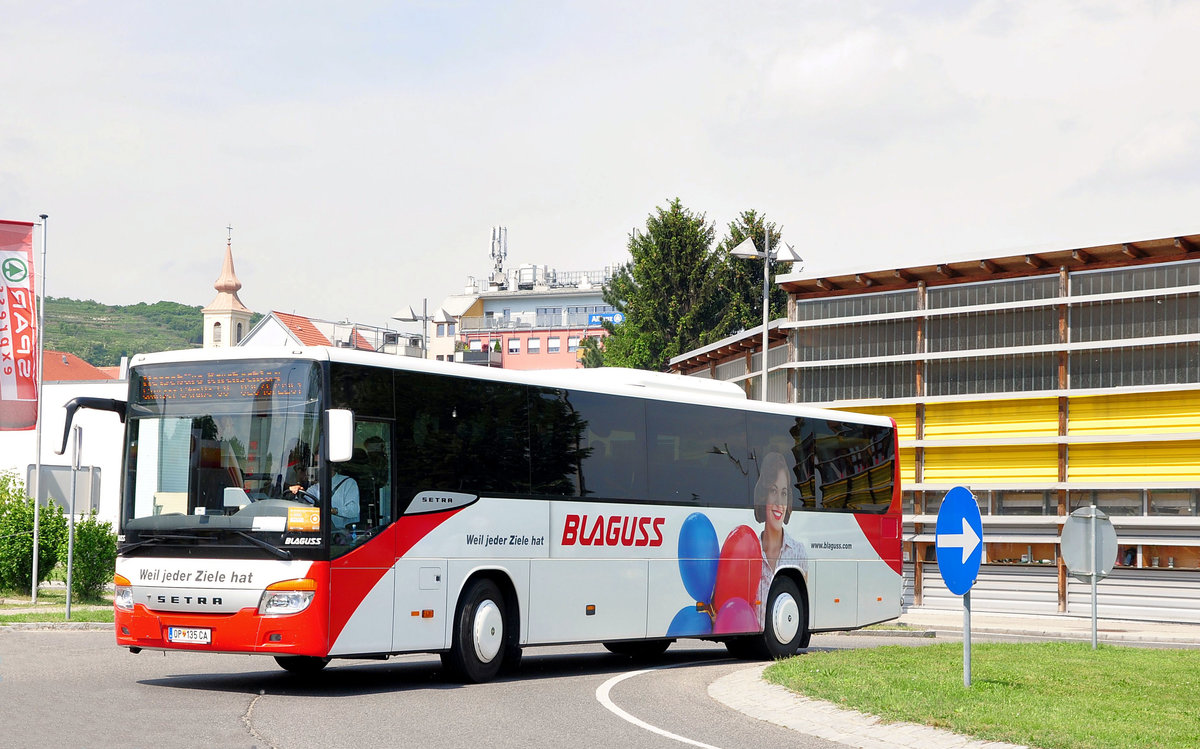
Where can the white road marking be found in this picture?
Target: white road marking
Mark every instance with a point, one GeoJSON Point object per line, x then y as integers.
{"type": "Point", "coordinates": [602, 695]}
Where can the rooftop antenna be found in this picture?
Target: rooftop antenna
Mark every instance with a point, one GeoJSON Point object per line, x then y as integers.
{"type": "Point", "coordinates": [499, 253]}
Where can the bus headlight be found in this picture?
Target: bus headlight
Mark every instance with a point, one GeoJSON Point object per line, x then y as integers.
{"type": "Point", "coordinates": [287, 597]}
{"type": "Point", "coordinates": [123, 595]}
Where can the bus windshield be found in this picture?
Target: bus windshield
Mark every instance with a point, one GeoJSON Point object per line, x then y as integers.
{"type": "Point", "coordinates": [213, 449]}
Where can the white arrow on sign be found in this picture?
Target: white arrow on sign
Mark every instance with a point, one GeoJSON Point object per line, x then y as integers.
{"type": "Point", "coordinates": [967, 540]}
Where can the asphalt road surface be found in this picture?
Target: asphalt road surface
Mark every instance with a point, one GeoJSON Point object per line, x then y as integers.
{"type": "Point", "coordinates": [76, 688]}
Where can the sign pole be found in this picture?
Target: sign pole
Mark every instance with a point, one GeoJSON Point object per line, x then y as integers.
{"type": "Point", "coordinates": [967, 639]}
{"type": "Point", "coordinates": [1093, 537]}
{"type": "Point", "coordinates": [37, 440]}
{"type": "Point", "coordinates": [71, 518]}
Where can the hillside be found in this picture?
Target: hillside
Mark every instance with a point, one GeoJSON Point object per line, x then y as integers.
{"type": "Point", "coordinates": [101, 334]}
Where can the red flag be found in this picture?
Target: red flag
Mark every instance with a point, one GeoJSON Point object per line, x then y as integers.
{"type": "Point", "coordinates": [18, 328]}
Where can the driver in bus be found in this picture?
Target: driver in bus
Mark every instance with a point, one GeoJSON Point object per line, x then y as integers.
{"type": "Point", "coordinates": [344, 507]}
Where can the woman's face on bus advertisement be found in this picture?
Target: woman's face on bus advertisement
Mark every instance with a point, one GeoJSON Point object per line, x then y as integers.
{"type": "Point", "coordinates": [778, 499]}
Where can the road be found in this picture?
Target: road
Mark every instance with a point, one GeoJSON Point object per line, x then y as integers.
{"type": "Point", "coordinates": [75, 688]}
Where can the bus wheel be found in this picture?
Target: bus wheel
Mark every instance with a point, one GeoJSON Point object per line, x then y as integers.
{"type": "Point", "coordinates": [785, 627]}
{"type": "Point", "coordinates": [639, 649]}
{"type": "Point", "coordinates": [479, 638]}
{"type": "Point", "coordinates": [301, 664]}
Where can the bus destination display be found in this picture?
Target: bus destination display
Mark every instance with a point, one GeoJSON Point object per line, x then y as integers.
{"type": "Point", "coordinates": [208, 385]}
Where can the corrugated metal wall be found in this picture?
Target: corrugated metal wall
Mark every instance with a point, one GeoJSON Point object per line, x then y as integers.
{"type": "Point", "coordinates": [1139, 594]}
{"type": "Point", "coordinates": [1136, 413]}
{"type": "Point", "coordinates": [982, 464]}
{"type": "Point", "coordinates": [1157, 461]}
{"type": "Point", "coordinates": [988, 419]}
{"type": "Point", "coordinates": [998, 589]}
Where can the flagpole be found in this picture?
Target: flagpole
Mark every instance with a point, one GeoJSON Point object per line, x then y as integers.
{"type": "Point", "coordinates": [37, 458]}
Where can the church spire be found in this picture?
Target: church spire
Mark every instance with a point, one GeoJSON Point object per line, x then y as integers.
{"type": "Point", "coordinates": [227, 284]}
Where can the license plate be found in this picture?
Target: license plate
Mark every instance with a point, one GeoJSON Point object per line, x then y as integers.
{"type": "Point", "coordinates": [189, 634]}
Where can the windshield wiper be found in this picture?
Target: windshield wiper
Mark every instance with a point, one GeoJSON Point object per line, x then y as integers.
{"type": "Point", "coordinates": [281, 553]}
{"type": "Point", "coordinates": [157, 538]}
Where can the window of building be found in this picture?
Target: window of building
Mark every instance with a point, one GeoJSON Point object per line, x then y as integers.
{"type": "Point", "coordinates": [573, 343]}
{"type": "Point", "coordinates": [535, 345]}
{"type": "Point", "coordinates": [216, 337]}
{"type": "Point", "coordinates": [239, 333]}
{"type": "Point", "coordinates": [476, 345]}
{"type": "Point", "coordinates": [449, 328]}
{"type": "Point", "coordinates": [514, 345]}
{"type": "Point", "coordinates": [1112, 502]}
{"type": "Point", "coordinates": [441, 330]}
{"type": "Point", "coordinates": [552, 344]}
{"type": "Point", "coordinates": [1024, 503]}
{"type": "Point", "coordinates": [1174, 501]}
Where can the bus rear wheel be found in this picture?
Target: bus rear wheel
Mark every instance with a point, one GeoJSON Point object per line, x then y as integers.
{"type": "Point", "coordinates": [301, 664]}
{"type": "Point", "coordinates": [480, 640]}
{"type": "Point", "coordinates": [639, 649]}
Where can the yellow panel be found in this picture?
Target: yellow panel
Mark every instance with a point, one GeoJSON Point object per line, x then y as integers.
{"type": "Point", "coordinates": [908, 470]}
{"type": "Point", "coordinates": [1135, 413]}
{"type": "Point", "coordinates": [1151, 461]}
{"type": "Point", "coordinates": [905, 416]}
{"type": "Point", "coordinates": [996, 418]}
{"type": "Point", "coordinates": [996, 463]}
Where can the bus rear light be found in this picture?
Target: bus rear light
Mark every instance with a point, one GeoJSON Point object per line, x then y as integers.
{"type": "Point", "coordinates": [287, 597]}
{"type": "Point", "coordinates": [122, 593]}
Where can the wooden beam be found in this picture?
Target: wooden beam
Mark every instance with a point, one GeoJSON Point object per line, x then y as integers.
{"type": "Point", "coordinates": [947, 271]}
{"type": "Point", "coordinates": [1082, 256]}
{"type": "Point", "coordinates": [1035, 261]}
{"type": "Point", "coordinates": [864, 280]}
{"type": "Point", "coordinates": [903, 275]}
{"type": "Point", "coordinates": [827, 285]}
{"type": "Point", "coordinates": [1132, 251]}
{"type": "Point", "coordinates": [989, 266]}
{"type": "Point", "coordinates": [1185, 245]}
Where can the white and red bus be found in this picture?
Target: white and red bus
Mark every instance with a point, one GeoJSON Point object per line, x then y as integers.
{"type": "Point", "coordinates": [478, 511]}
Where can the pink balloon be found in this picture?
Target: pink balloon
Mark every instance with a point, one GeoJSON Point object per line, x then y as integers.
{"type": "Point", "coordinates": [739, 569]}
{"type": "Point", "coordinates": [735, 617]}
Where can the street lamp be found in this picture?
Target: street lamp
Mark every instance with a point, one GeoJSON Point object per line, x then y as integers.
{"type": "Point", "coordinates": [747, 251]}
{"type": "Point", "coordinates": [409, 314]}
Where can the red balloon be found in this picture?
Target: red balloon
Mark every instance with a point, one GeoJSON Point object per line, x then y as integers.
{"type": "Point", "coordinates": [739, 569]}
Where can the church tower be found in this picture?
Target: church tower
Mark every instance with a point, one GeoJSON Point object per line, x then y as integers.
{"type": "Point", "coordinates": [226, 319]}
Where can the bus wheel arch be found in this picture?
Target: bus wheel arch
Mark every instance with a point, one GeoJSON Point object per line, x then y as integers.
{"type": "Point", "coordinates": [785, 622]}
{"type": "Point", "coordinates": [485, 631]}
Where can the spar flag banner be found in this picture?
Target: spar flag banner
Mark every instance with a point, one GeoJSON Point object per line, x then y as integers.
{"type": "Point", "coordinates": [18, 328]}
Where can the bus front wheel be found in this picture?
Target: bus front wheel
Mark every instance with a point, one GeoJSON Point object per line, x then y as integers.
{"type": "Point", "coordinates": [478, 649]}
{"type": "Point", "coordinates": [785, 626]}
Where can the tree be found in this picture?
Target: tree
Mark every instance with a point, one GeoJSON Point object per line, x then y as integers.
{"type": "Point", "coordinates": [593, 353]}
{"type": "Point", "coordinates": [743, 279]}
{"type": "Point", "coordinates": [669, 292]}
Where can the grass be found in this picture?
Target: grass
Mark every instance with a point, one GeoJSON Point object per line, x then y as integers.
{"type": "Point", "coordinates": [1046, 695]}
{"type": "Point", "coordinates": [52, 607]}
{"type": "Point", "coordinates": [58, 615]}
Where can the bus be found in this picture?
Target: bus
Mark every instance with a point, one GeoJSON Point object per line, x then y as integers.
{"type": "Point", "coordinates": [321, 503]}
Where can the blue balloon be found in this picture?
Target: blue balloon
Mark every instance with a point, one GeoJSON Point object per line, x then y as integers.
{"type": "Point", "coordinates": [690, 623]}
{"type": "Point", "coordinates": [699, 553]}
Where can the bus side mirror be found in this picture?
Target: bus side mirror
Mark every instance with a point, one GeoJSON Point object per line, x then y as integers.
{"type": "Point", "coordinates": [341, 434]}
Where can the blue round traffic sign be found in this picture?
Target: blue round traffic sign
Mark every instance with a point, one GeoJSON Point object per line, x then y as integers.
{"type": "Point", "coordinates": [959, 540]}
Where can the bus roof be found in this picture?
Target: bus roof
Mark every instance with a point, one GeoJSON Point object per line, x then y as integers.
{"type": "Point", "coordinates": [614, 380]}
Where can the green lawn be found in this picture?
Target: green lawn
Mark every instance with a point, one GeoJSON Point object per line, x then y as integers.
{"type": "Point", "coordinates": [1046, 695]}
{"type": "Point", "coordinates": [52, 607]}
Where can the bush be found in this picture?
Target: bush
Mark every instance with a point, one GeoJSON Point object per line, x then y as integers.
{"type": "Point", "coordinates": [16, 536]}
{"type": "Point", "coordinates": [95, 557]}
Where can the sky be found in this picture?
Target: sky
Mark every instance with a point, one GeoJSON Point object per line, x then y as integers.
{"type": "Point", "coordinates": [362, 152]}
